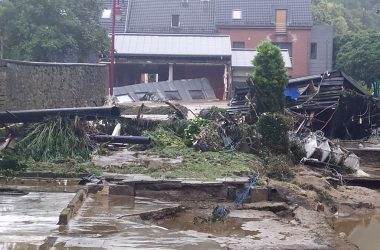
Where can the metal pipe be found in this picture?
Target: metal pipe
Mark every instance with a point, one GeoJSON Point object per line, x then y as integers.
{"type": "Point", "coordinates": [122, 139]}
{"type": "Point", "coordinates": [112, 62]}
{"type": "Point", "coordinates": [88, 113]}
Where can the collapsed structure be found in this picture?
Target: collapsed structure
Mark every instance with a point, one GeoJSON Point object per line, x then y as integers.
{"type": "Point", "coordinates": [334, 103]}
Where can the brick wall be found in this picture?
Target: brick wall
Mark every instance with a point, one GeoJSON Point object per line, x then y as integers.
{"type": "Point", "coordinates": [30, 85]}
{"type": "Point", "coordinates": [300, 40]}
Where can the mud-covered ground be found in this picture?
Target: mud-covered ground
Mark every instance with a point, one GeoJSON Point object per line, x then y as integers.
{"type": "Point", "coordinates": [301, 215]}
{"type": "Point", "coordinates": [310, 205]}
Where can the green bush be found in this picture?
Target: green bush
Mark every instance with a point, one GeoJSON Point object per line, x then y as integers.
{"type": "Point", "coordinates": [10, 163]}
{"type": "Point", "coordinates": [278, 167]}
{"type": "Point", "coordinates": [274, 128]}
{"type": "Point", "coordinates": [269, 79]}
{"type": "Point", "coordinates": [193, 129]}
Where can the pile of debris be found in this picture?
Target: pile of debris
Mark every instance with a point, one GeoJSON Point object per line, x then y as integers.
{"type": "Point", "coordinates": [321, 151]}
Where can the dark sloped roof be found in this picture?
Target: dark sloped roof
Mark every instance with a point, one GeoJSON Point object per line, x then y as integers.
{"type": "Point", "coordinates": [330, 90]}
{"type": "Point", "coordinates": [152, 16]}
{"type": "Point", "coordinates": [261, 13]}
{"type": "Point", "coordinates": [107, 22]}
{"type": "Point", "coordinates": [204, 16]}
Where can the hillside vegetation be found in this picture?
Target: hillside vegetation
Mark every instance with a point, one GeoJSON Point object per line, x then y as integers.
{"type": "Point", "coordinates": [356, 26]}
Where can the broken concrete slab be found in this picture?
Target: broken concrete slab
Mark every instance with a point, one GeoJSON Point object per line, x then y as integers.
{"type": "Point", "coordinates": [73, 207]}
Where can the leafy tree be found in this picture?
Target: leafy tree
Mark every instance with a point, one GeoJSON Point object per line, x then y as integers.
{"type": "Point", "coordinates": [358, 54]}
{"type": "Point", "coordinates": [336, 15]}
{"type": "Point", "coordinates": [269, 79]}
{"type": "Point", "coordinates": [355, 24]}
{"type": "Point", "coordinates": [52, 30]}
{"type": "Point", "coordinates": [347, 15]}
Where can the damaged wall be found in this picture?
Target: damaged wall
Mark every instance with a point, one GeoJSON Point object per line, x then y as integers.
{"type": "Point", "coordinates": [32, 85]}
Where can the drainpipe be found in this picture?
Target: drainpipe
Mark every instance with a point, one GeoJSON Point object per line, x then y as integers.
{"type": "Point", "coordinates": [170, 72]}
{"type": "Point", "coordinates": [225, 81]}
{"type": "Point", "coordinates": [1, 47]}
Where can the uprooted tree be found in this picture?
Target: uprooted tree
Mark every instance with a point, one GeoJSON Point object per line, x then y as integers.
{"type": "Point", "coordinates": [269, 79]}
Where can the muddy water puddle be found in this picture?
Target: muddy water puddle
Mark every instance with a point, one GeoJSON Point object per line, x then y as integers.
{"type": "Point", "coordinates": [230, 227]}
{"type": "Point", "coordinates": [26, 220]}
{"type": "Point", "coordinates": [103, 223]}
{"type": "Point", "coordinates": [364, 231]}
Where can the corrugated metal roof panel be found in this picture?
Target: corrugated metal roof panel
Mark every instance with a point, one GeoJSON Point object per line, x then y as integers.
{"type": "Point", "coordinates": [172, 45]}
{"type": "Point", "coordinates": [243, 58]}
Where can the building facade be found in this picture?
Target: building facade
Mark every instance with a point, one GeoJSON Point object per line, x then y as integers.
{"type": "Point", "coordinates": [286, 23]}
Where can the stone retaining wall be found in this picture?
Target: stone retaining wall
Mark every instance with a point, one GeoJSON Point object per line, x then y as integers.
{"type": "Point", "coordinates": [32, 85]}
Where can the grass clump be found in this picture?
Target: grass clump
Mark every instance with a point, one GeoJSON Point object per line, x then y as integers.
{"type": "Point", "coordinates": [54, 139]}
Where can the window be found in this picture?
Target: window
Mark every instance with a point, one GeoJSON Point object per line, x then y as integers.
{"type": "Point", "coordinates": [141, 95]}
{"type": "Point", "coordinates": [185, 3]}
{"type": "Point", "coordinates": [124, 98]}
{"type": "Point", "coordinates": [172, 95]}
{"type": "Point", "coordinates": [313, 51]}
{"type": "Point", "coordinates": [287, 46]}
{"type": "Point", "coordinates": [106, 13]}
{"type": "Point", "coordinates": [197, 94]}
{"type": "Point", "coordinates": [175, 21]}
{"type": "Point", "coordinates": [281, 21]}
{"type": "Point", "coordinates": [236, 14]}
{"type": "Point", "coordinates": [148, 77]}
{"type": "Point", "coordinates": [238, 45]}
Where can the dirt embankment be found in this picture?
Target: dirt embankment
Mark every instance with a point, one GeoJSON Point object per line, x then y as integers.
{"type": "Point", "coordinates": [300, 215]}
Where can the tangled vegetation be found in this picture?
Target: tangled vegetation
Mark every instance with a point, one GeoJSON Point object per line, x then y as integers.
{"type": "Point", "coordinates": [164, 138]}
{"type": "Point", "coordinates": [192, 130]}
{"type": "Point", "coordinates": [57, 138]}
{"type": "Point", "coordinates": [209, 138]}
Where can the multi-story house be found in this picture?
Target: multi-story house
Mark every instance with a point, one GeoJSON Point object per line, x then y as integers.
{"type": "Point", "coordinates": [286, 23]}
